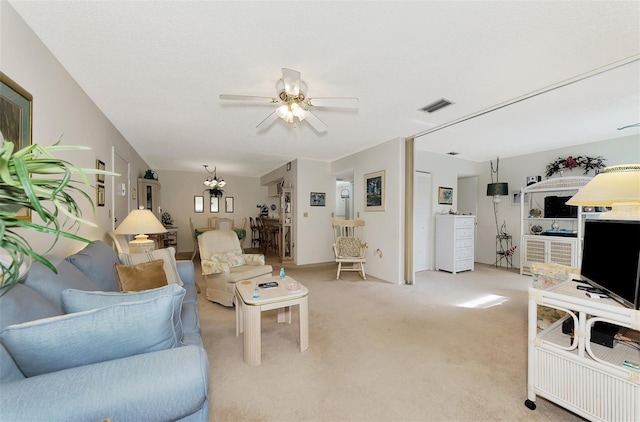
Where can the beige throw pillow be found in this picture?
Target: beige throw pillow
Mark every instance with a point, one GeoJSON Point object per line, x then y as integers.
{"type": "Point", "coordinates": [143, 276]}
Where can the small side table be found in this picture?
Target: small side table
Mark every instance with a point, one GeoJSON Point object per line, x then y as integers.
{"type": "Point", "coordinates": [249, 313]}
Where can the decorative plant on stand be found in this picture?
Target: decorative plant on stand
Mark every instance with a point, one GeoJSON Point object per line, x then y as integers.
{"type": "Point", "coordinates": [34, 179]}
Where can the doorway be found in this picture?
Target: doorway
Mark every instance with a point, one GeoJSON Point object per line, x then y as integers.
{"type": "Point", "coordinates": [422, 218]}
{"type": "Point", "coordinates": [344, 196]}
{"type": "Point", "coordinates": [121, 192]}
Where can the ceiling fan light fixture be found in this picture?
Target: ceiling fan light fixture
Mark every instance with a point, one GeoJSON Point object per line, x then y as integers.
{"type": "Point", "coordinates": [282, 94]}
{"type": "Point", "coordinates": [282, 111]}
{"type": "Point", "coordinates": [302, 90]}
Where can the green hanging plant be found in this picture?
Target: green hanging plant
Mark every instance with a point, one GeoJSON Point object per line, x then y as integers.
{"type": "Point", "coordinates": [569, 163]}
{"type": "Point", "coordinates": [217, 192]}
{"type": "Point", "coordinates": [34, 179]}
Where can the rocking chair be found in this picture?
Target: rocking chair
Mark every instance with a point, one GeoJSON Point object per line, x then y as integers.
{"type": "Point", "coordinates": [348, 246]}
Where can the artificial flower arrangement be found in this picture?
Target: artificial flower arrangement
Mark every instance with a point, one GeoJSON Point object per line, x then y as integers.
{"type": "Point", "coordinates": [569, 163]}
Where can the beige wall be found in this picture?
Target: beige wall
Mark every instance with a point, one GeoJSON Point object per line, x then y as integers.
{"type": "Point", "coordinates": [61, 109]}
{"type": "Point", "coordinates": [514, 170]}
{"type": "Point", "coordinates": [179, 189]}
{"type": "Point", "coordinates": [383, 230]}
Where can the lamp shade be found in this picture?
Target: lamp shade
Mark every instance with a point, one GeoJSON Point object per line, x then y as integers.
{"type": "Point", "coordinates": [495, 189]}
{"type": "Point", "coordinates": [141, 221]}
{"type": "Point", "coordinates": [615, 186]}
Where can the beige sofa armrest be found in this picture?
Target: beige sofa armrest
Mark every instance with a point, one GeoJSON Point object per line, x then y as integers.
{"type": "Point", "coordinates": [214, 267]}
{"type": "Point", "coordinates": [254, 259]}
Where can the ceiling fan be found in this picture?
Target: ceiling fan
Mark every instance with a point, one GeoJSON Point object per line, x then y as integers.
{"type": "Point", "coordinates": [292, 97]}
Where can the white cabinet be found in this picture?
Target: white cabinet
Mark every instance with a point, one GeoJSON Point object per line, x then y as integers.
{"type": "Point", "coordinates": [546, 249]}
{"type": "Point", "coordinates": [547, 239]}
{"type": "Point", "coordinates": [584, 377]}
{"type": "Point", "coordinates": [455, 242]}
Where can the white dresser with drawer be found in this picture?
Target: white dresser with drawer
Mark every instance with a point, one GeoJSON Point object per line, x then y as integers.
{"type": "Point", "coordinates": [455, 242]}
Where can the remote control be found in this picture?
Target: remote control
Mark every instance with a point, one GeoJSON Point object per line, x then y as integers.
{"type": "Point", "coordinates": [591, 290]}
{"type": "Point", "coordinates": [268, 285]}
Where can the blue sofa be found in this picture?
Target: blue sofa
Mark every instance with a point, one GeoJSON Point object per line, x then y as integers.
{"type": "Point", "coordinates": [138, 359]}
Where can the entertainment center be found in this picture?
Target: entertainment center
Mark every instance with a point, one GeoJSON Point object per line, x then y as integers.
{"type": "Point", "coordinates": [550, 231]}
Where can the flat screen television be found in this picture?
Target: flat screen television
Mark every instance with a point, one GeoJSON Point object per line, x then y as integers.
{"type": "Point", "coordinates": [556, 207]}
{"type": "Point", "coordinates": [611, 258]}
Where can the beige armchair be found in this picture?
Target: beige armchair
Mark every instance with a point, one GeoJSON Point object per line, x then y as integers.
{"type": "Point", "coordinates": [224, 264]}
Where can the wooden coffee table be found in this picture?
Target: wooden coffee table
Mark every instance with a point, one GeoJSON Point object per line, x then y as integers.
{"type": "Point", "coordinates": [249, 311]}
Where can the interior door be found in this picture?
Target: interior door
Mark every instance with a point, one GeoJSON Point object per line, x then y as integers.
{"type": "Point", "coordinates": [422, 221]}
{"type": "Point", "coordinates": [121, 189]}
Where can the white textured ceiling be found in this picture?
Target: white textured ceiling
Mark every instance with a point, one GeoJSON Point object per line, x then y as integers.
{"type": "Point", "coordinates": [156, 70]}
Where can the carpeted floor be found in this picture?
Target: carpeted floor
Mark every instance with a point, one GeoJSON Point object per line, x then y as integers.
{"type": "Point", "coordinates": [381, 352]}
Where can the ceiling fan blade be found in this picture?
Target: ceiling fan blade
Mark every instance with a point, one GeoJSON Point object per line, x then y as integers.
{"type": "Point", "coordinates": [291, 80]}
{"type": "Point", "coordinates": [345, 102]}
{"type": "Point", "coordinates": [248, 98]}
{"type": "Point", "coordinates": [316, 123]}
{"type": "Point", "coordinates": [268, 121]}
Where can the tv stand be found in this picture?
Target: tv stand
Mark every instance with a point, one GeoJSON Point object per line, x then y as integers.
{"type": "Point", "coordinates": [586, 378]}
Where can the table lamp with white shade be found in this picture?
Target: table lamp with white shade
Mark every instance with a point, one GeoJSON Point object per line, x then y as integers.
{"type": "Point", "coordinates": [617, 187]}
{"type": "Point", "coordinates": [139, 222]}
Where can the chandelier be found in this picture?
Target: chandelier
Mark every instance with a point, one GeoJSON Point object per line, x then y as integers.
{"type": "Point", "coordinates": [213, 183]}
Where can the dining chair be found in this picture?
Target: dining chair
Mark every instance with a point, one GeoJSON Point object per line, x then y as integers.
{"type": "Point", "coordinates": [224, 224]}
{"type": "Point", "coordinates": [255, 234]}
{"type": "Point", "coordinates": [213, 222]}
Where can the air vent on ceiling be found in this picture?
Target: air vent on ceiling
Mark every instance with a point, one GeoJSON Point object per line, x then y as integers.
{"type": "Point", "coordinates": [437, 105]}
{"type": "Point", "coordinates": [453, 153]}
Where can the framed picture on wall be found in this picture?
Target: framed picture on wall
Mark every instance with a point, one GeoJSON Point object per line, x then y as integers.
{"type": "Point", "coordinates": [445, 196]}
{"type": "Point", "coordinates": [100, 199]}
{"type": "Point", "coordinates": [15, 122]}
{"type": "Point", "coordinates": [100, 166]}
{"type": "Point", "coordinates": [317, 199]}
{"type": "Point", "coordinates": [374, 191]}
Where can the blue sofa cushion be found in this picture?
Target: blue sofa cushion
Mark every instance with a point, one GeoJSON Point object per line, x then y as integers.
{"type": "Point", "coordinates": [22, 304]}
{"type": "Point", "coordinates": [96, 261]}
{"type": "Point", "coordinates": [50, 284]}
{"type": "Point", "coordinates": [67, 341]}
{"type": "Point", "coordinates": [79, 301]}
{"type": "Point", "coordinates": [168, 256]}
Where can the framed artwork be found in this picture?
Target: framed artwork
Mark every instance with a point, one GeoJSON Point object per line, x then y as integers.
{"type": "Point", "coordinates": [445, 196]}
{"type": "Point", "coordinates": [516, 197]}
{"type": "Point", "coordinates": [214, 206]}
{"type": "Point", "coordinates": [100, 195]}
{"type": "Point", "coordinates": [228, 204]}
{"type": "Point", "coordinates": [374, 191]}
{"type": "Point", "coordinates": [16, 106]}
{"type": "Point", "coordinates": [198, 203]}
{"type": "Point", "coordinates": [100, 166]}
{"type": "Point", "coordinates": [317, 199]}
